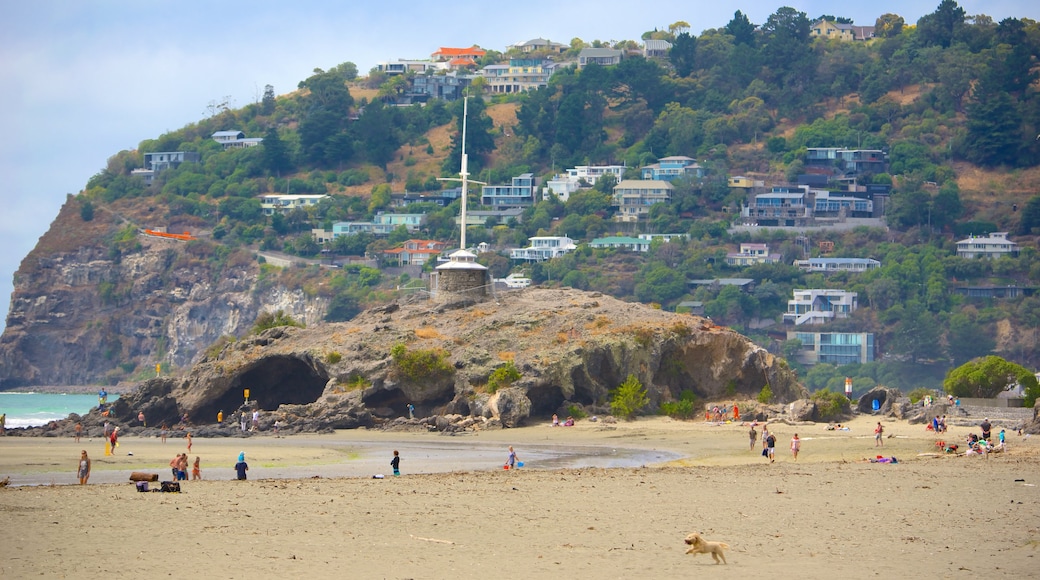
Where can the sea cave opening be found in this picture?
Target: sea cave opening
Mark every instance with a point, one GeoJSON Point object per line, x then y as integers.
{"type": "Point", "coordinates": [272, 381]}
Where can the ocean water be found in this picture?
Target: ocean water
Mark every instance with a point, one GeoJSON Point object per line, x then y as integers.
{"type": "Point", "coordinates": [34, 409]}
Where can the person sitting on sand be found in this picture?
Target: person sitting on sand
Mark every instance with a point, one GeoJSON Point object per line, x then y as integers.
{"type": "Point", "coordinates": [569, 422]}
{"type": "Point", "coordinates": [555, 420]}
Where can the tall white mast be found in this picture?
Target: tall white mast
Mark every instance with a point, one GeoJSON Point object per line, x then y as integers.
{"type": "Point", "coordinates": [463, 174]}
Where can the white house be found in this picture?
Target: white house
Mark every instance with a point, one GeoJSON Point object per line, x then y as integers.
{"type": "Point", "coordinates": [750, 254]}
{"type": "Point", "coordinates": [994, 245]}
{"type": "Point", "coordinates": [621, 242]}
{"type": "Point", "coordinates": [285, 203]}
{"type": "Point", "coordinates": [235, 139]}
{"type": "Point", "coordinates": [831, 265]}
{"type": "Point", "coordinates": [819, 306]}
{"type": "Point", "coordinates": [543, 248]}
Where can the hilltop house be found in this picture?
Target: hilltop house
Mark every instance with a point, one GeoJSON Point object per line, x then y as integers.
{"type": "Point", "coordinates": [600, 56]}
{"type": "Point", "coordinates": [538, 45]}
{"type": "Point", "coordinates": [621, 242]}
{"type": "Point", "coordinates": [669, 168]}
{"type": "Point", "coordinates": [235, 139]}
{"type": "Point", "coordinates": [994, 245]}
{"type": "Point", "coordinates": [819, 306]}
{"type": "Point", "coordinates": [402, 66]}
{"type": "Point", "coordinates": [563, 185]}
{"type": "Point", "coordinates": [653, 48]}
{"type": "Point", "coordinates": [633, 197]}
{"type": "Point", "coordinates": [841, 31]}
{"type": "Point", "coordinates": [543, 248]}
{"type": "Point", "coordinates": [459, 57]}
{"type": "Point", "coordinates": [162, 160]}
{"type": "Point", "coordinates": [519, 76]}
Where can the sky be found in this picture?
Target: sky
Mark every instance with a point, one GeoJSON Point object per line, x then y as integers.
{"type": "Point", "coordinates": [81, 81]}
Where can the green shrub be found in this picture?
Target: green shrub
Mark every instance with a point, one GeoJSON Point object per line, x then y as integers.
{"type": "Point", "coordinates": [920, 393]}
{"type": "Point", "coordinates": [333, 357]}
{"type": "Point", "coordinates": [358, 383]}
{"type": "Point", "coordinates": [502, 377]}
{"type": "Point", "coordinates": [765, 396]}
{"type": "Point", "coordinates": [629, 398]}
{"type": "Point", "coordinates": [831, 406]}
{"type": "Point", "coordinates": [678, 409]}
{"type": "Point", "coordinates": [420, 365]}
{"type": "Point", "coordinates": [268, 320]}
{"type": "Point", "coordinates": [576, 411]}
{"type": "Point", "coordinates": [213, 350]}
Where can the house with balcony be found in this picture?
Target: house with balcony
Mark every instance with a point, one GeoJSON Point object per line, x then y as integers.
{"type": "Point", "coordinates": [235, 140]}
{"type": "Point", "coordinates": [653, 48]}
{"type": "Point", "coordinates": [442, 198]}
{"type": "Point", "coordinates": [404, 66]}
{"type": "Point", "coordinates": [633, 197]}
{"type": "Point", "coordinates": [159, 161]}
{"type": "Point", "coordinates": [994, 245]}
{"type": "Point", "coordinates": [819, 306]}
{"type": "Point", "coordinates": [833, 265]}
{"type": "Point", "coordinates": [458, 58]}
{"type": "Point", "coordinates": [500, 217]}
{"type": "Point", "coordinates": [779, 207]}
{"type": "Point", "coordinates": [836, 348]}
{"type": "Point", "coordinates": [829, 203]}
{"type": "Point", "coordinates": [751, 254]}
{"type": "Point", "coordinates": [519, 193]}
{"type": "Point", "coordinates": [447, 87]}
{"type": "Point", "coordinates": [285, 203]}
{"type": "Point", "coordinates": [538, 45]}
{"type": "Point", "coordinates": [414, 252]}
{"type": "Point", "coordinates": [669, 168]}
{"type": "Point", "coordinates": [543, 248]}
{"type": "Point", "coordinates": [663, 237]}
{"type": "Point", "coordinates": [600, 56]}
{"type": "Point", "coordinates": [849, 161]}
{"type": "Point", "coordinates": [563, 185]}
{"type": "Point", "coordinates": [519, 76]}
{"type": "Point", "coordinates": [621, 243]}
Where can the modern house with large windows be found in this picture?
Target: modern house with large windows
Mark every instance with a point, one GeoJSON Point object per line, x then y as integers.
{"type": "Point", "coordinates": [832, 265]}
{"type": "Point", "coordinates": [669, 168]}
{"type": "Point", "coordinates": [519, 193]}
{"type": "Point", "coordinates": [276, 202]}
{"type": "Point", "coordinates": [819, 306]}
{"type": "Point", "coordinates": [836, 348]}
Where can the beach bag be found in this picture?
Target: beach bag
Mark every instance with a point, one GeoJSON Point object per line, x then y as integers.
{"type": "Point", "coordinates": [170, 487]}
{"type": "Point", "coordinates": [142, 486]}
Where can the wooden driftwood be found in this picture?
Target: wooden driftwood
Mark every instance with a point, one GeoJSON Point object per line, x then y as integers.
{"type": "Point", "coordinates": [142, 476]}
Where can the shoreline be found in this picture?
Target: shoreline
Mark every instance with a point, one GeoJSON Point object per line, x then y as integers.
{"type": "Point", "coordinates": [831, 513]}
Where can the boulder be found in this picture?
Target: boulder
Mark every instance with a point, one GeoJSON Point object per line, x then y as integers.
{"type": "Point", "coordinates": [510, 406]}
{"type": "Point", "coordinates": [885, 397]}
{"type": "Point", "coordinates": [802, 410]}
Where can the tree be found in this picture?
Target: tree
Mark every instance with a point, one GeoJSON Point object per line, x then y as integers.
{"type": "Point", "coordinates": [917, 334]}
{"type": "Point", "coordinates": [984, 377]}
{"type": "Point", "coordinates": [966, 339]}
{"type": "Point", "coordinates": [679, 27]}
{"type": "Point", "coordinates": [1030, 219]}
{"type": "Point", "coordinates": [629, 398]}
{"type": "Point", "coordinates": [741, 29]}
{"type": "Point", "coordinates": [994, 123]}
{"type": "Point", "coordinates": [275, 153]}
{"type": "Point", "coordinates": [940, 27]}
{"type": "Point", "coordinates": [268, 101]}
{"type": "Point", "coordinates": [888, 25]}
{"type": "Point", "coordinates": [683, 54]}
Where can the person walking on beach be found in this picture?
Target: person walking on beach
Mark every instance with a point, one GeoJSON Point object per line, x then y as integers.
{"type": "Point", "coordinates": [770, 447]}
{"type": "Point", "coordinates": [765, 435]}
{"type": "Point", "coordinates": [796, 446]}
{"type": "Point", "coordinates": [175, 466]}
{"type": "Point", "coordinates": [162, 432]}
{"type": "Point", "coordinates": [511, 462]}
{"type": "Point", "coordinates": [241, 467]}
{"type": "Point", "coordinates": [256, 420]}
{"type": "Point", "coordinates": [196, 471]}
{"type": "Point", "coordinates": [396, 463]}
{"type": "Point", "coordinates": [79, 431]}
{"type": "Point", "coordinates": [753, 436]}
{"type": "Point", "coordinates": [84, 467]}
{"type": "Point", "coordinates": [879, 431]}
{"type": "Point", "coordinates": [114, 439]}
{"type": "Point", "coordinates": [188, 437]}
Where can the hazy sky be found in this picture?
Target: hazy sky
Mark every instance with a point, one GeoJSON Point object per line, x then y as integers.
{"type": "Point", "coordinates": [80, 81]}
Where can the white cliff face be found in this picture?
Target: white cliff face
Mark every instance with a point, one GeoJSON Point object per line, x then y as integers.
{"type": "Point", "coordinates": [85, 318]}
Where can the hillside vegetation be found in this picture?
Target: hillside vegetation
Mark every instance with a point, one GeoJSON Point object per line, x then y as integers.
{"type": "Point", "coordinates": [953, 100]}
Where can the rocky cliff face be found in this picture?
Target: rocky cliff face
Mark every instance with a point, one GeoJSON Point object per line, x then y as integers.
{"type": "Point", "coordinates": [88, 310]}
{"type": "Point", "coordinates": [570, 347]}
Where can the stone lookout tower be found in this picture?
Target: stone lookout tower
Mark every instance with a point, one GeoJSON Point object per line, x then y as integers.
{"type": "Point", "coordinates": [460, 278]}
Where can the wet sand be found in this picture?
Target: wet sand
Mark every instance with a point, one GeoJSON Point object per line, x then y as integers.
{"type": "Point", "coordinates": [312, 508]}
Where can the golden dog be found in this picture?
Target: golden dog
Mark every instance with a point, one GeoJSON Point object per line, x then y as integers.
{"type": "Point", "coordinates": [699, 545]}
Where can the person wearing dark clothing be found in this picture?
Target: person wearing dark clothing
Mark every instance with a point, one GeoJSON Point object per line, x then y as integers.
{"type": "Point", "coordinates": [241, 467]}
{"type": "Point", "coordinates": [986, 428]}
{"type": "Point", "coordinates": [396, 463]}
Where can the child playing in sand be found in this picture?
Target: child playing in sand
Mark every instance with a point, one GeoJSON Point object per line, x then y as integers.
{"type": "Point", "coordinates": [396, 463]}
{"type": "Point", "coordinates": [241, 467]}
{"type": "Point", "coordinates": [196, 471]}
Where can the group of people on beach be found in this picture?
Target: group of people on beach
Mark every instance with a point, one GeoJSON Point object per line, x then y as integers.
{"type": "Point", "coordinates": [179, 467]}
{"type": "Point", "coordinates": [769, 442]}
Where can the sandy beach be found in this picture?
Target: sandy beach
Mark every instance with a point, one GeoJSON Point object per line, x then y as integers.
{"type": "Point", "coordinates": [606, 501]}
